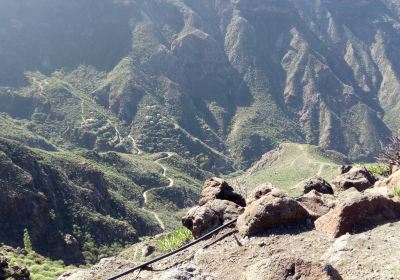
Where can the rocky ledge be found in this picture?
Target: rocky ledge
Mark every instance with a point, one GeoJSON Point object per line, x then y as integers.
{"type": "Point", "coordinates": [330, 232]}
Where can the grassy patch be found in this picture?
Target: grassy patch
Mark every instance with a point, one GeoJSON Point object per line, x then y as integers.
{"type": "Point", "coordinates": [174, 240]}
{"type": "Point", "coordinates": [377, 169]}
{"type": "Point", "coordinates": [41, 268]}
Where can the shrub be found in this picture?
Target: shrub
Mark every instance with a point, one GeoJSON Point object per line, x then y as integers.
{"type": "Point", "coordinates": [378, 169]}
{"type": "Point", "coordinates": [27, 241]}
{"type": "Point", "coordinates": [174, 240]}
{"type": "Point", "coordinates": [390, 154]}
{"type": "Point", "coordinates": [397, 191]}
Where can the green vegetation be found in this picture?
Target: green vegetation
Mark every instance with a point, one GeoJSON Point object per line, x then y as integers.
{"type": "Point", "coordinates": [290, 165]}
{"type": "Point", "coordinates": [27, 241]}
{"type": "Point", "coordinates": [40, 268]}
{"type": "Point", "coordinates": [96, 196]}
{"type": "Point", "coordinates": [397, 191]}
{"type": "Point", "coordinates": [378, 169]}
{"type": "Point", "coordinates": [174, 240]}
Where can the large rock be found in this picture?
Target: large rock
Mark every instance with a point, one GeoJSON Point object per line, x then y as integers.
{"type": "Point", "coordinates": [357, 177]}
{"type": "Point", "coordinates": [316, 203]}
{"type": "Point", "coordinates": [284, 267]}
{"type": "Point", "coordinates": [262, 190]}
{"type": "Point", "coordinates": [393, 181]}
{"type": "Point", "coordinates": [217, 188]}
{"type": "Point", "coordinates": [271, 210]}
{"type": "Point", "coordinates": [202, 219]}
{"type": "Point", "coordinates": [358, 212]}
{"type": "Point", "coordinates": [318, 184]}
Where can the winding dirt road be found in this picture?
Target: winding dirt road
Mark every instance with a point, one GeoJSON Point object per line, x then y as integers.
{"type": "Point", "coordinates": [164, 174]}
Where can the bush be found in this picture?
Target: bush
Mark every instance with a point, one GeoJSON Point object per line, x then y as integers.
{"type": "Point", "coordinates": [390, 154]}
{"type": "Point", "coordinates": [378, 169]}
{"type": "Point", "coordinates": [27, 241]}
{"type": "Point", "coordinates": [174, 240]}
{"type": "Point", "coordinates": [397, 191]}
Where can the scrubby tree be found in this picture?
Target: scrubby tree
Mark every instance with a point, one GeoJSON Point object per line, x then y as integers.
{"type": "Point", "coordinates": [27, 241]}
{"type": "Point", "coordinates": [390, 154]}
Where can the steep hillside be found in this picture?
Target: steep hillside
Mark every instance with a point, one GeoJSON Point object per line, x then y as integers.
{"type": "Point", "coordinates": [77, 205]}
{"type": "Point", "coordinates": [218, 81]}
{"type": "Point", "coordinates": [288, 166]}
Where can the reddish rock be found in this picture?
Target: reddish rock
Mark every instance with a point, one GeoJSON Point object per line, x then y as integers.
{"type": "Point", "coordinates": [217, 188]}
{"type": "Point", "coordinates": [271, 210]}
{"type": "Point", "coordinates": [316, 203]}
{"type": "Point", "coordinates": [358, 212]}
{"type": "Point", "coordinates": [393, 181]}
{"type": "Point", "coordinates": [202, 219]}
{"type": "Point", "coordinates": [318, 184]}
{"type": "Point", "coordinates": [262, 190]}
{"type": "Point", "coordinates": [358, 177]}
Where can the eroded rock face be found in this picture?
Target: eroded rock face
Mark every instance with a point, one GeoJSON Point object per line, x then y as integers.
{"type": "Point", "coordinates": [284, 267]}
{"type": "Point", "coordinates": [202, 219]}
{"type": "Point", "coordinates": [316, 203]}
{"type": "Point", "coordinates": [357, 177]}
{"type": "Point", "coordinates": [358, 212]}
{"type": "Point", "coordinates": [217, 188]}
{"type": "Point", "coordinates": [318, 184]}
{"type": "Point", "coordinates": [271, 210]}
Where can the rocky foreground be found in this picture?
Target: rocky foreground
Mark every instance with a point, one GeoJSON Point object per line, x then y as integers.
{"type": "Point", "coordinates": [345, 231]}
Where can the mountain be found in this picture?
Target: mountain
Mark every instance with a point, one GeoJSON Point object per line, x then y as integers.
{"type": "Point", "coordinates": [113, 112]}
{"type": "Point", "coordinates": [218, 81]}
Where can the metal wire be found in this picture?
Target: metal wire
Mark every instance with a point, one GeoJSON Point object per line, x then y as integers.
{"type": "Point", "coordinates": [173, 252]}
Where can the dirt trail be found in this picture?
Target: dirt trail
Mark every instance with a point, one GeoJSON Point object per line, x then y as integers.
{"type": "Point", "coordinates": [164, 174]}
{"type": "Point", "coordinates": [171, 184]}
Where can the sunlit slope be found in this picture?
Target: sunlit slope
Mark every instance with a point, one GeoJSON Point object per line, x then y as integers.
{"type": "Point", "coordinates": [291, 164]}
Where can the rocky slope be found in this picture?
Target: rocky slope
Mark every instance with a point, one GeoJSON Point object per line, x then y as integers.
{"type": "Point", "coordinates": [220, 81]}
{"type": "Point", "coordinates": [348, 232]}
{"type": "Point", "coordinates": [78, 206]}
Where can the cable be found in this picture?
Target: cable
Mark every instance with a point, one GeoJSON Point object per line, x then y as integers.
{"type": "Point", "coordinates": [173, 252]}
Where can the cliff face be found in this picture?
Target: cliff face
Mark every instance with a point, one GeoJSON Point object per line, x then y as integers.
{"type": "Point", "coordinates": [220, 80]}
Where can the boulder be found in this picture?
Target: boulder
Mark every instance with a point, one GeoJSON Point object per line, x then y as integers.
{"type": "Point", "coordinates": [271, 210]}
{"type": "Point", "coordinates": [19, 273]}
{"type": "Point", "coordinates": [344, 169]}
{"type": "Point", "coordinates": [202, 219]}
{"type": "Point", "coordinates": [285, 267]}
{"type": "Point", "coordinates": [318, 184]}
{"type": "Point", "coordinates": [217, 188]}
{"type": "Point", "coordinates": [393, 181]}
{"type": "Point", "coordinates": [358, 212]}
{"type": "Point", "coordinates": [3, 267]}
{"type": "Point", "coordinates": [317, 204]}
{"type": "Point", "coordinates": [262, 190]}
{"type": "Point", "coordinates": [358, 177]}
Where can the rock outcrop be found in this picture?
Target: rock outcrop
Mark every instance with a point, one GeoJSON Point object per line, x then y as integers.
{"type": "Point", "coordinates": [271, 210]}
{"type": "Point", "coordinates": [316, 203]}
{"type": "Point", "coordinates": [357, 177]}
{"type": "Point", "coordinates": [318, 184]}
{"type": "Point", "coordinates": [393, 181]}
{"type": "Point", "coordinates": [217, 188]}
{"type": "Point", "coordinates": [358, 212]}
{"type": "Point", "coordinates": [12, 272]}
{"type": "Point", "coordinates": [202, 219]}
